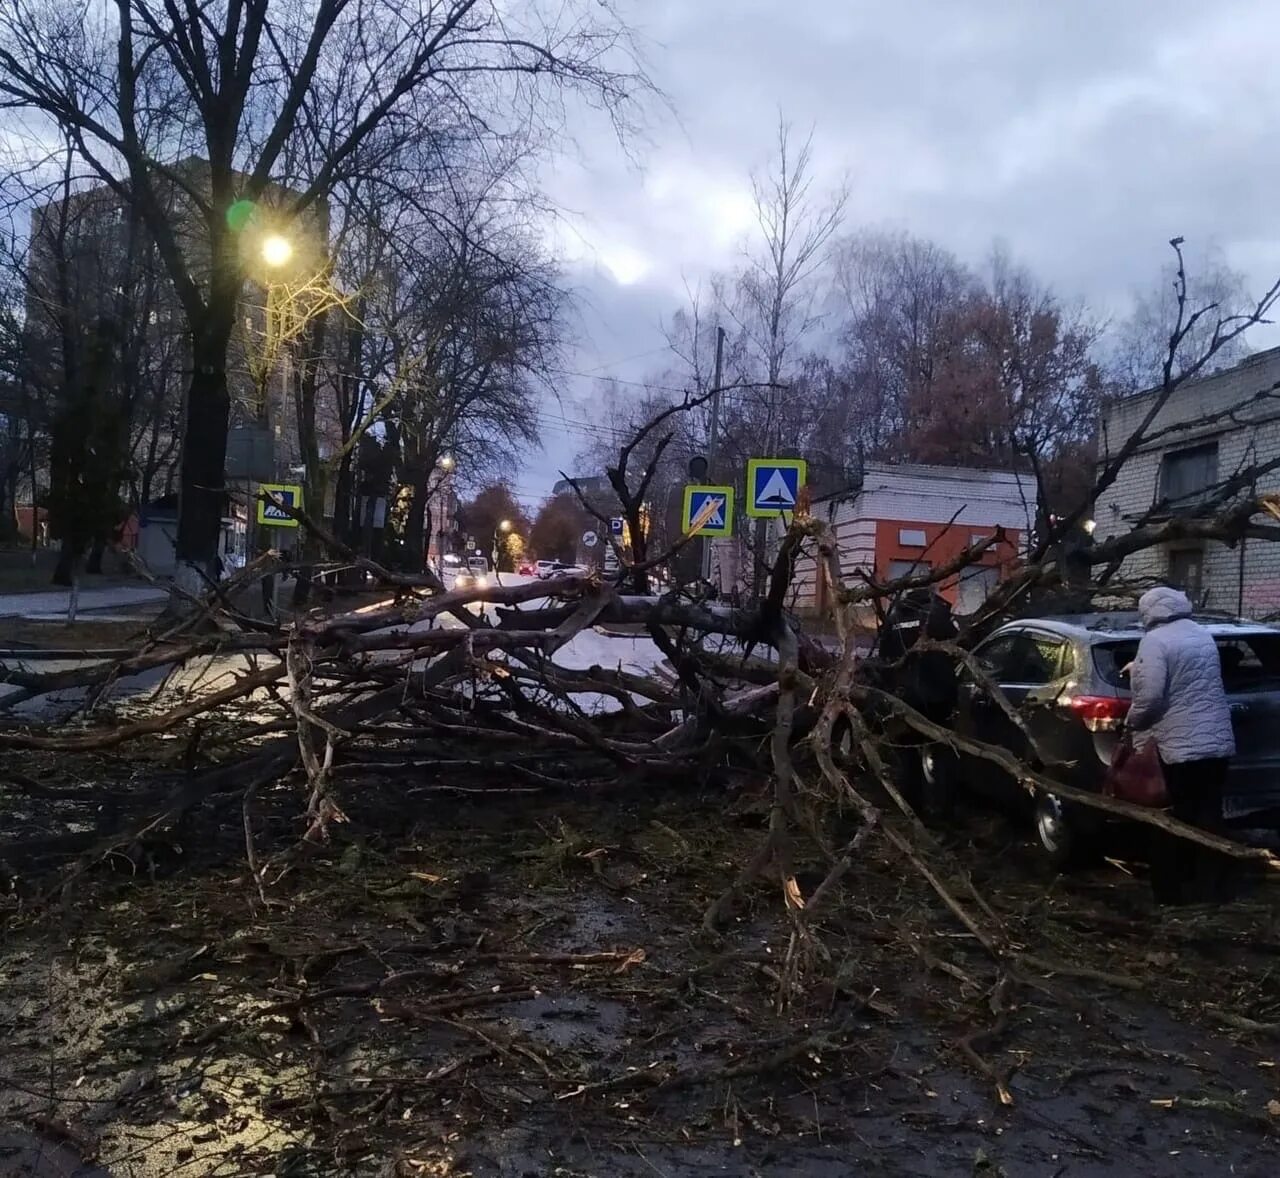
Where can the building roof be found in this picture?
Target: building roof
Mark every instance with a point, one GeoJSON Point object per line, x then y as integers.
{"type": "Point", "coordinates": [979, 476]}
{"type": "Point", "coordinates": [1254, 360]}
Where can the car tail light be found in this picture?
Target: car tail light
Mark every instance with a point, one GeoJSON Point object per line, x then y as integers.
{"type": "Point", "coordinates": [1100, 713]}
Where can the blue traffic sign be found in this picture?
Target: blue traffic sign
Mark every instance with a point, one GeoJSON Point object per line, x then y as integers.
{"type": "Point", "coordinates": [773, 485]}
{"type": "Point", "coordinates": [708, 511]}
{"type": "Point", "coordinates": [269, 513]}
{"type": "Point", "coordinates": [615, 525]}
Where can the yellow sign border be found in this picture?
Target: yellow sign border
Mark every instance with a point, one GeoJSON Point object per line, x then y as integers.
{"type": "Point", "coordinates": [278, 489]}
{"type": "Point", "coordinates": [686, 522]}
{"type": "Point", "coordinates": [753, 464]}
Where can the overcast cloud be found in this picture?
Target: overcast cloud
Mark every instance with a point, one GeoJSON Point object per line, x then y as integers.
{"type": "Point", "coordinates": [1082, 135]}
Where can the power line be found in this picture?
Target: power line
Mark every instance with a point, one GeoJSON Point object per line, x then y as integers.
{"type": "Point", "coordinates": [640, 384]}
{"type": "Point", "coordinates": [628, 359]}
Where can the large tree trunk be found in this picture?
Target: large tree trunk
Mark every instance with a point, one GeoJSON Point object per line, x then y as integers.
{"type": "Point", "coordinates": [96, 552]}
{"type": "Point", "coordinates": [8, 501]}
{"type": "Point", "coordinates": [414, 531]}
{"type": "Point", "coordinates": [343, 525]}
{"type": "Point", "coordinates": [64, 571]}
{"type": "Point", "coordinates": [204, 455]}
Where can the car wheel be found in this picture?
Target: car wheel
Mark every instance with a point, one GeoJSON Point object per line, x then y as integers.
{"type": "Point", "coordinates": [844, 747]}
{"type": "Point", "coordinates": [937, 784]}
{"type": "Point", "coordinates": [1055, 838]}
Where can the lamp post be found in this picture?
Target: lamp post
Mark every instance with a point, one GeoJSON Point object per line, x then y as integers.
{"type": "Point", "coordinates": [444, 463]}
{"type": "Point", "coordinates": [503, 529]}
{"type": "Point", "coordinates": [276, 252]}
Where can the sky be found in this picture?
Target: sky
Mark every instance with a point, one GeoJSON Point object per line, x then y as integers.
{"type": "Point", "coordinates": [1080, 135]}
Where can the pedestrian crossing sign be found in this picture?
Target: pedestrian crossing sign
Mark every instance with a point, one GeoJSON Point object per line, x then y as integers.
{"type": "Point", "coordinates": [773, 485]}
{"type": "Point", "coordinates": [269, 513]}
{"type": "Point", "coordinates": [708, 511]}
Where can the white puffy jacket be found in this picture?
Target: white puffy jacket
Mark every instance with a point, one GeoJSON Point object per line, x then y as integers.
{"type": "Point", "coordinates": [1176, 682]}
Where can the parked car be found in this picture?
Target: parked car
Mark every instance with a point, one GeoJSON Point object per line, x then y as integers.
{"type": "Point", "coordinates": [544, 569]}
{"type": "Point", "coordinates": [1067, 678]}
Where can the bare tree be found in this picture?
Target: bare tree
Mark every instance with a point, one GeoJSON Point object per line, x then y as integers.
{"type": "Point", "coordinates": [281, 102]}
{"type": "Point", "coordinates": [81, 262]}
{"type": "Point", "coordinates": [775, 298]}
{"type": "Point", "coordinates": [1140, 341]}
{"type": "Point", "coordinates": [896, 295]}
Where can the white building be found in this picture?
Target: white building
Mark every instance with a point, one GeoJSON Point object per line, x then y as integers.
{"type": "Point", "coordinates": [1209, 430]}
{"type": "Point", "coordinates": [902, 520]}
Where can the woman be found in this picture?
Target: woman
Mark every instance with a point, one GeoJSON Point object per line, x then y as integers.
{"type": "Point", "coordinates": [1179, 701]}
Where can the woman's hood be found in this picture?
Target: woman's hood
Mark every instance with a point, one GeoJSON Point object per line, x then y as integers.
{"type": "Point", "coordinates": [1163, 604]}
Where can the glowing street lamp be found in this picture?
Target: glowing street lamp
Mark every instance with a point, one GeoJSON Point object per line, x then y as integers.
{"type": "Point", "coordinates": [504, 525]}
{"type": "Point", "coordinates": [277, 251]}
{"type": "Point", "coordinates": [446, 462]}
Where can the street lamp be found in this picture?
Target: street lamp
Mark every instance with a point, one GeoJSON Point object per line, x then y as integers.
{"type": "Point", "coordinates": [503, 528]}
{"type": "Point", "coordinates": [276, 251]}
{"type": "Point", "coordinates": [446, 462]}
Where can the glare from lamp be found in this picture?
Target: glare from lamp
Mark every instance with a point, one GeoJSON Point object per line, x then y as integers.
{"type": "Point", "coordinates": [277, 250]}
{"type": "Point", "coordinates": [504, 525]}
{"type": "Point", "coordinates": [446, 462]}
{"type": "Point", "coordinates": [1089, 525]}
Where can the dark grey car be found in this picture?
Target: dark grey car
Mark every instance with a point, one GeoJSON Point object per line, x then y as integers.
{"type": "Point", "coordinates": [1068, 679]}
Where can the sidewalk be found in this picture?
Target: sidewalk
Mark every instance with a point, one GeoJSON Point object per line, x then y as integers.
{"type": "Point", "coordinates": [53, 603]}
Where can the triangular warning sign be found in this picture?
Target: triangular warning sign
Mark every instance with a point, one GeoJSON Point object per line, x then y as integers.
{"type": "Point", "coordinates": [776, 492]}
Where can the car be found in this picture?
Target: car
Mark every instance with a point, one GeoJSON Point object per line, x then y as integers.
{"type": "Point", "coordinates": [544, 569]}
{"type": "Point", "coordinates": [1067, 680]}
{"type": "Point", "coordinates": [474, 576]}
{"type": "Point", "coordinates": [525, 570]}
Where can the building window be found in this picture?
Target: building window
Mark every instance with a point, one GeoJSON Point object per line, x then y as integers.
{"type": "Point", "coordinates": [907, 568]}
{"type": "Point", "coordinates": [1185, 474]}
{"type": "Point", "coordinates": [1186, 571]}
{"type": "Point", "coordinates": [912, 537]}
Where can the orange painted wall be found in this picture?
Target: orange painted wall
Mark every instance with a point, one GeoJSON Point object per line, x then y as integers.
{"type": "Point", "coordinates": [943, 542]}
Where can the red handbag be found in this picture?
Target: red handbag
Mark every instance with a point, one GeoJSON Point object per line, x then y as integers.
{"type": "Point", "coordinates": [1135, 775]}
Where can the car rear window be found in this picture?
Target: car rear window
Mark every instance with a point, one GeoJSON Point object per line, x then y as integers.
{"type": "Point", "coordinates": [1249, 662]}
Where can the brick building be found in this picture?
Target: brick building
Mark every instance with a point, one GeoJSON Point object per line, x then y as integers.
{"type": "Point", "coordinates": [1210, 430]}
{"type": "Point", "coordinates": [900, 520]}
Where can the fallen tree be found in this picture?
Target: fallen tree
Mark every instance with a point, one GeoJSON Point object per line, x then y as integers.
{"type": "Point", "coordinates": [528, 688]}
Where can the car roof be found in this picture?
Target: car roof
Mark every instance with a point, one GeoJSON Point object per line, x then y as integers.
{"type": "Point", "coordinates": [1124, 624]}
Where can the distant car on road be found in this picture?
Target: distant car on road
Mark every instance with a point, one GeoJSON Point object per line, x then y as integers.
{"type": "Point", "coordinates": [1067, 678]}
{"type": "Point", "coordinates": [475, 576]}
{"type": "Point", "coordinates": [525, 570]}
{"type": "Point", "coordinates": [544, 569]}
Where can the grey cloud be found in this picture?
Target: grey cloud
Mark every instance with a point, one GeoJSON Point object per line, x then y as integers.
{"type": "Point", "coordinates": [1081, 135]}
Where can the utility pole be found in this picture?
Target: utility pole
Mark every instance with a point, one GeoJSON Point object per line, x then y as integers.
{"type": "Point", "coordinates": [713, 440]}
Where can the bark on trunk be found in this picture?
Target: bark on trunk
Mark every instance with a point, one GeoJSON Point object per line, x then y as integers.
{"type": "Point", "coordinates": [94, 563]}
{"type": "Point", "coordinates": [414, 530]}
{"type": "Point", "coordinates": [204, 453]}
{"type": "Point", "coordinates": [343, 525]}
{"type": "Point", "coordinates": [64, 570]}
